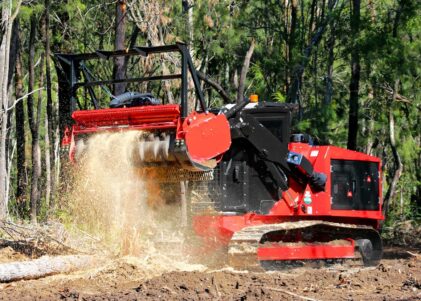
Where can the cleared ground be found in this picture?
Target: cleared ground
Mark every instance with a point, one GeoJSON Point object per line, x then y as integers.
{"type": "Point", "coordinates": [398, 277]}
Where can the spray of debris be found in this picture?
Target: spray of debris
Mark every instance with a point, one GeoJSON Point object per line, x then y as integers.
{"type": "Point", "coordinates": [125, 211]}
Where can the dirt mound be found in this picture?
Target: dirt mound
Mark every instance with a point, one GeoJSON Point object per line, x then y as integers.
{"type": "Point", "coordinates": [406, 233]}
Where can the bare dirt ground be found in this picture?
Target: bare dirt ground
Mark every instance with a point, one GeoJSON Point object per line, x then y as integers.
{"type": "Point", "coordinates": [398, 277]}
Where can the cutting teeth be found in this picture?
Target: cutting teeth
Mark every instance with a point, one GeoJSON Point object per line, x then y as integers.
{"type": "Point", "coordinates": [166, 145]}
{"type": "Point", "coordinates": [154, 148]}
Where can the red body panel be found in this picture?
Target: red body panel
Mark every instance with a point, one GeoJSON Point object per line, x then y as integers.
{"type": "Point", "coordinates": [218, 230]}
{"type": "Point", "coordinates": [320, 157]}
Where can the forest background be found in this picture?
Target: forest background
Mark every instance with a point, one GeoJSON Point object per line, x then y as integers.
{"type": "Point", "coordinates": [353, 68]}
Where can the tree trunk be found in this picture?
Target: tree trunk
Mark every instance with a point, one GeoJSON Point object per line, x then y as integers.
{"type": "Point", "coordinates": [330, 61]}
{"type": "Point", "coordinates": [45, 266]}
{"type": "Point", "coordinates": [30, 109]}
{"type": "Point", "coordinates": [291, 39]}
{"type": "Point", "coordinates": [244, 71]}
{"type": "Point", "coordinates": [354, 85]}
{"type": "Point", "coordinates": [120, 34]}
{"type": "Point", "coordinates": [311, 23]}
{"type": "Point", "coordinates": [48, 177]}
{"type": "Point", "coordinates": [20, 141]}
{"type": "Point", "coordinates": [49, 124]}
{"type": "Point", "coordinates": [369, 123]}
{"type": "Point", "coordinates": [7, 21]}
{"type": "Point", "coordinates": [398, 168]}
{"type": "Point", "coordinates": [13, 52]}
{"type": "Point", "coordinates": [190, 25]}
{"type": "Point", "coordinates": [34, 122]}
{"type": "Point", "coordinates": [36, 164]}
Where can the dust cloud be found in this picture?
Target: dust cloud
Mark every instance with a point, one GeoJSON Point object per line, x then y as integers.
{"type": "Point", "coordinates": [110, 200]}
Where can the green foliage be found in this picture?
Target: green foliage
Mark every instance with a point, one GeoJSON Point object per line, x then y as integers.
{"type": "Point", "coordinates": [278, 96]}
{"type": "Point", "coordinates": [26, 11]}
{"type": "Point", "coordinates": [74, 7]}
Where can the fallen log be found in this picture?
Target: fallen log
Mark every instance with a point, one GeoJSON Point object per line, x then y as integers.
{"type": "Point", "coordinates": [45, 266]}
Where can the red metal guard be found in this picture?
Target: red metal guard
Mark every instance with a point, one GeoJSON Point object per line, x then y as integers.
{"type": "Point", "coordinates": [161, 116]}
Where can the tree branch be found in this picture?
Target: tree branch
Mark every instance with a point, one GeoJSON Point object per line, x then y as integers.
{"type": "Point", "coordinates": [214, 85]}
{"type": "Point", "coordinates": [24, 96]}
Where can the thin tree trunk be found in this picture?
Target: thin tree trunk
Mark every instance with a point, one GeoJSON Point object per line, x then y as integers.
{"type": "Point", "coordinates": [36, 164]}
{"type": "Point", "coordinates": [372, 8]}
{"type": "Point", "coordinates": [48, 177]}
{"type": "Point", "coordinates": [20, 140]}
{"type": "Point", "coordinates": [330, 61]}
{"type": "Point", "coordinates": [10, 157]}
{"type": "Point", "coordinates": [57, 163]}
{"type": "Point", "coordinates": [7, 21]}
{"type": "Point", "coordinates": [285, 37]}
{"type": "Point", "coordinates": [369, 123]}
{"type": "Point", "coordinates": [120, 34]}
{"type": "Point", "coordinates": [244, 71]}
{"type": "Point", "coordinates": [49, 124]}
{"type": "Point", "coordinates": [311, 25]}
{"type": "Point", "coordinates": [190, 26]}
{"type": "Point", "coordinates": [354, 85]}
{"type": "Point", "coordinates": [398, 168]}
{"type": "Point", "coordinates": [13, 53]}
{"type": "Point", "coordinates": [30, 109]}
{"type": "Point", "coordinates": [291, 40]}
{"type": "Point", "coordinates": [34, 122]}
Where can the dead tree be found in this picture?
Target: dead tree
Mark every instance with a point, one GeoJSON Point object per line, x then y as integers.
{"type": "Point", "coordinates": [45, 266]}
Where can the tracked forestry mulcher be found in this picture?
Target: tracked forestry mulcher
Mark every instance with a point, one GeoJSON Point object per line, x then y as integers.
{"type": "Point", "coordinates": [255, 190]}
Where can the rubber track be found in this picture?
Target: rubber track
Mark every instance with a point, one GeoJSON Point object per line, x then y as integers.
{"type": "Point", "coordinates": [242, 249]}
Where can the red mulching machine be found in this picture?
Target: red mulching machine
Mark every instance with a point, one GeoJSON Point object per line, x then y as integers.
{"type": "Point", "coordinates": [266, 196]}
